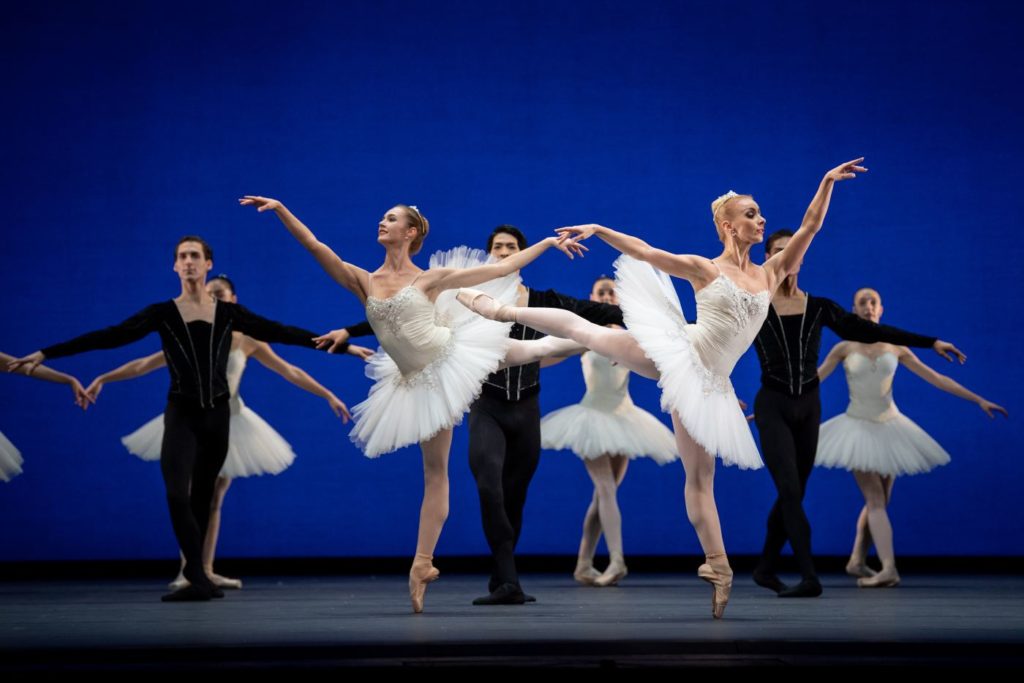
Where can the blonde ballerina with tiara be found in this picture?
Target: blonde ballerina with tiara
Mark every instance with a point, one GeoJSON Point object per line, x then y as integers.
{"type": "Point", "coordinates": [691, 362]}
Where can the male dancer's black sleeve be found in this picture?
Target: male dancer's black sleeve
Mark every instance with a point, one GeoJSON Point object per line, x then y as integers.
{"type": "Point", "coordinates": [131, 330]}
{"type": "Point", "coordinates": [592, 311]}
{"type": "Point", "coordinates": [270, 331]}
{"type": "Point", "coordinates": [362, 329]}
{"type": "Point", "coordinates": [854, 328]}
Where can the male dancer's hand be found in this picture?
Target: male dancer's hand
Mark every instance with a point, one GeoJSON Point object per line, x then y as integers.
{"type": "Point", "coordinates": [947, 351]}
{"type": "Point", "coordinates": [335, 338]}
{"type": "Point", "coordinates": [29, 362]}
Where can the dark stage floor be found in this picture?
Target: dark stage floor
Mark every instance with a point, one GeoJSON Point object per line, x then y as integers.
{"type": "Point", "coordinates": [656, 620]}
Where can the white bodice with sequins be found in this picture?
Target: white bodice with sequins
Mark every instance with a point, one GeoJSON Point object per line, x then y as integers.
{"type": "Point", "coordinates": [728, 320]}
{"type": "Point", "coordinates": [407, 329]}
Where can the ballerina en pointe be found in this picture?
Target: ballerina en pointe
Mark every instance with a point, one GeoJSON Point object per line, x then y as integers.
{"type": "Point", "coordinates": [717, 572]}
{"type": "Point", "coordinates": [422, 573]}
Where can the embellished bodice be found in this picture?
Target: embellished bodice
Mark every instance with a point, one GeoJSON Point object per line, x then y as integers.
{"type": "Point", "coordinates": [728, 319]}
{"type": "Point", "coordinates": [408, 330]}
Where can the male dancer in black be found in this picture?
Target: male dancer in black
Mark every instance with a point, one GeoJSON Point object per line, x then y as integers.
{"type": "Point", "coordinates": [195, 332]}
{"type": "Point", "coordinates": [787, 410]}
{"type": "Point", "coordinates": [504, 430]}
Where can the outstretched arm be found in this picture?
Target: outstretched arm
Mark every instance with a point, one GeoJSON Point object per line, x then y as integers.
{"type": "Point", "coordinates": [947, 384]}
{"type": "Point", "coordinates": [353, 278]}
{"type": "Point", "coordinates": [82, 399]}
{"type": "Point", "coordinates": [440, 279]}
{"type": "Point", "coordinates": [854, 328]}
{"type": "Point", "coordinates": [336, 341]}
{"type": "Point", "coordinates": [132, 329]}
{"type": "Point", "coordinates": [299, 377]}
{"type": "Point", "coordinates": [130, 370]}
{"type": "Point", "coordinates": [685, 266]}
{"type": "Point", "coordinates": [788, 260]}
{"type": "Point", "coordinates": [834, 358]}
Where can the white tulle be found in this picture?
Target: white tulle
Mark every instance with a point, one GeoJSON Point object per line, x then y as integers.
{"type": "Point", "coordinates": [432, 362]}
{"type": "Point", "coordinates": [695, 360]}
{"type": "Point", "coordinates": [606, 421]}
{"type": "Point", "coordinates": [10, 459]}
{"type": "Point", "coordinates": [873, 435]}
{"type": "Point", "coordinates": [254, 447]}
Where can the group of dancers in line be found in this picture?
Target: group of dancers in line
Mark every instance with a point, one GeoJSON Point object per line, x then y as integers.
{"type": "Point", "coordinates": [447, 349]}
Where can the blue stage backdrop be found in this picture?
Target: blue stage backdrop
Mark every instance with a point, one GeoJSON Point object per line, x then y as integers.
{"type": "Point", "coordinates": [130, 124]}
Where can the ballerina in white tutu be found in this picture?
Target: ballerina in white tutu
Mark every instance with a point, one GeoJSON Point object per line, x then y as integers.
{"type": "Point", "coordinates": [254, 447]}
{"type": "Point", "coordinates": [692, 363]}
{"type": "Point", "coordinates": [10, 458]}
{"type": "Point", "coordinates": [434, 354]}
{"type": "Point", "coordinates": [605, 430]}
{"type": "Point", "coordinates": [874, 440]}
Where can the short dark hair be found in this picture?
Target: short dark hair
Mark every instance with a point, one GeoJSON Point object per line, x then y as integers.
{"type": "Point", "coordinates": [207, 249]}
{"type": "Point", "coordinates": [777, 235]}
{"type": "Point", "coordinates": [226, 280]}
{"type": "Point", "coordinates": [508, 230]}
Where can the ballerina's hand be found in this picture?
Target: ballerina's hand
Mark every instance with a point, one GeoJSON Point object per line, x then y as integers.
{"type": "Point", "coordinates": [335, 338]}
{"type": "Point", "coordinates": [947, 351]}
{"type": "Point", "coordinates": [991, 408]}
{"type": "Point", "coordinates": [576, 233]}
{"type": "Point", "coordinates": [848, 170]}
{"type": "Point", "coordinates": [82, 397]}
{"type": "Point", "coordinates": [29, 362]}
{"type": "Point", "coordinates": [261, 203]}
{"type": "Point", "coordinates": [569, 247]}
{"type": "Point", "coordinates": [339, 409]}
{"type": "Point", "coordinates": [94, 389]}
{"type": "Point", "coordinates": [361, 352]}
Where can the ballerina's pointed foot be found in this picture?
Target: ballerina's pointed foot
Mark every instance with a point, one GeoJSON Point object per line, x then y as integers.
{"type": "Point", "coordinates": [422, 573]}
{"type": "Point", "coordinates": [716, 571]}
{"type": "Point", "coordinates": [485, 305]}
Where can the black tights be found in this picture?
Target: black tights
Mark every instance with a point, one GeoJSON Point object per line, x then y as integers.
{"type": "Point", "coordinates": [504, 450]}
{"type": "Point", "coordinates": [788, 426]}
{"type": "Point", "coordinates": [191, 456]}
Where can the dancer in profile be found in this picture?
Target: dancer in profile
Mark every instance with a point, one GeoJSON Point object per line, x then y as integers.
{"type": "Point", "coordinates": [875, 441]}
{"type": "Point", "coordinates": [10, 458]}
{"type": "Point", "coordinates": [788, 409]}
{"type": "Point", "coordinates": [692, 363]}
{"type": "Point", "coordinates": [195, 331]}
{"type": "Point", "coordinates": [254, 447]}
{"type": "Point", "coordinates": [436, 355]}
{"type": "Point", "coordinates": [605, 430]}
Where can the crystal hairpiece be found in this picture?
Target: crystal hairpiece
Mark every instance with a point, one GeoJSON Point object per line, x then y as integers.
{"type": "Point", "coordinates": [722, 201]}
